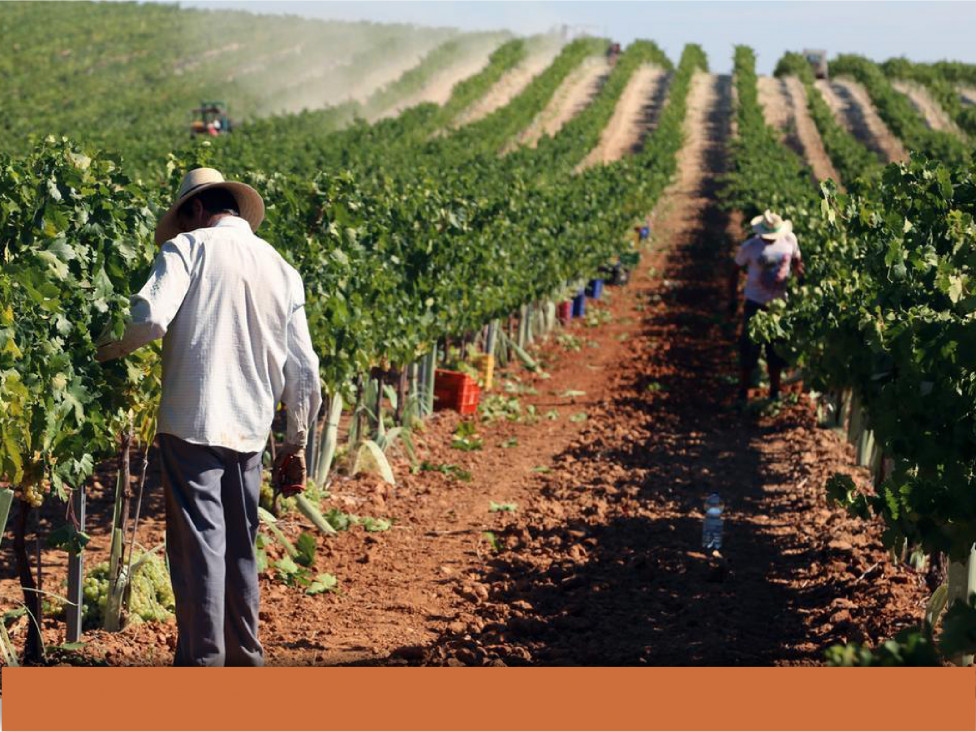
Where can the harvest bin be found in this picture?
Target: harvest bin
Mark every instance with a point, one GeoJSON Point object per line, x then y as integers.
{"type": "Point", "coordinates": [564, 311]}
{"type": "Point", "coordinates": [579, 305]}
{"type": "Point", "coordinates": [457, 391]}
{"type": "Point", "coordinates": [594, 290]}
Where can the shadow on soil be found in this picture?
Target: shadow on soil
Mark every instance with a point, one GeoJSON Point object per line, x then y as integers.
{"type": "Point", "coordinates": [605, 588]}
{"type": "Point", "coordinates": [858, 121]}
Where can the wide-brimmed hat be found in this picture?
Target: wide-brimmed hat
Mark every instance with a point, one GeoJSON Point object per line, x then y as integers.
{"type": "Point", "coordinates": [249, 202]}
{"type": "Point", "coordinates": [771, 226]}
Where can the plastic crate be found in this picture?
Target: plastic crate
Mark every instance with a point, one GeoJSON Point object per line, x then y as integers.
{"type": "Point", "coordinates": [457, 391]}
{"type": "Point", "coordinates": [579, 305]}
{"type": "Point", "coordinates": [564, 311]}
{"type": "Point", "coordinates": [594, 290]}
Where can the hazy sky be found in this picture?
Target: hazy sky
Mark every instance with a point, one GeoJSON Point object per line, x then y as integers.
{"type": "Point", "coordinates": [921, 30]}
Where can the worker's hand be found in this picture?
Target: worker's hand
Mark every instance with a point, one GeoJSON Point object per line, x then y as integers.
{"type": "Point", "coordinates": [107, 352]}
{"type": "Point", "coordinates": [289, 470]}
{"type": "Point", "coordinates": [106, 346]}
{"type": "Point", "coordinates": [800, 268]}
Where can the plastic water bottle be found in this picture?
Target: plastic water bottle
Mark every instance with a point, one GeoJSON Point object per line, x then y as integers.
{"type": "Point", "coordinates": [712, 526]}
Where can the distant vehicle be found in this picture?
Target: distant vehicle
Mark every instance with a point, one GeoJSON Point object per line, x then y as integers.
{"type": "Point", "coordinates": [613, 52]}
{"type": "Point", "coordinates": [210, 118]}
{"type": "Point", "coordinates": [818, 61]}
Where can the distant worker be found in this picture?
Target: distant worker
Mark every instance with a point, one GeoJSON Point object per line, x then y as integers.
{"type": "Point", "coordinates": [231, 314]}
{"type": "Point", "coordinates": [770, 257]}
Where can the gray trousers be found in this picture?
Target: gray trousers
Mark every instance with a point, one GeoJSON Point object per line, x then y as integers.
{"type": "Point", "coordinates": [211, 525]}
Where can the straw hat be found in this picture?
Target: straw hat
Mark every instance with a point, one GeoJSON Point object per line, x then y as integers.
{"type": "Point", "coordinates": [771, 226]}
{"type": "Point", "coordinates": [198, 180]}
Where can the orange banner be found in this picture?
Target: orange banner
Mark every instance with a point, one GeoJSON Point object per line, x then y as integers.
{"type": "Point", "coordinates": [488, 699]}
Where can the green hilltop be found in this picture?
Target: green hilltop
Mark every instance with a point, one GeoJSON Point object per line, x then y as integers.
{"type": "Point", "coordinates": [126, 76]}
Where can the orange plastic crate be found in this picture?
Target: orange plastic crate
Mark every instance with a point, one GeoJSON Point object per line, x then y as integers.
{"type": "Point", "coordinates": [457, 391]}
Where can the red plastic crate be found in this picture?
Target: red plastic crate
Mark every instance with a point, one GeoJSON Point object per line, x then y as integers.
{"type": "Point", "coordinates": [457, 391]}
{"type": "Point", "coordinates": [564, 311]}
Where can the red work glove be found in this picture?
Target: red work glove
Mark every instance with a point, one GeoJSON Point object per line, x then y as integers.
{"type": "Point", "coordinates": [289, 471]}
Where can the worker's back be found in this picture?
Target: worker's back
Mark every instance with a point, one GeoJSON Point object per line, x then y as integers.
{"type": "Point", "coordinates": [224, 352]}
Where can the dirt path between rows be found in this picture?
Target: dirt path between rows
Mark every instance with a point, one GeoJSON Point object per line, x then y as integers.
{"type": "Point", "coordinates": [806, 130]}
{"type": "Point", "coordinates": [784, 103]}
{"type": "Point", "coordinates": [615, 448]}
{"type": "Point", "coordinates": [852, 107]}
{"type": "Point", "coordinates": [369, 81]}
{"type": "Point", "coordinates": [570, 98]}
{"type": "Point", "coordinates": [772, 99]}
{"type": "Point", "coordinates": [438, 88]}
{"type": "Point", "coordinates": [603, 566]}
{"type": "Point", "coordinates": [634, 116]}
{"type": "Point", "coordinates": [932, 112]}
{"type": "Point", "coordinates": [512, 83]}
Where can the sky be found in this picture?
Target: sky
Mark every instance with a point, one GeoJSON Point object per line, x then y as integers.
{"type": "Point", "coordinates": [922, 30]}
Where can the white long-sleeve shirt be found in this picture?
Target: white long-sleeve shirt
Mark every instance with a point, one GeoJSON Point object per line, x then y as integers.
{"type": "Point", "coordinates": [230, 311]}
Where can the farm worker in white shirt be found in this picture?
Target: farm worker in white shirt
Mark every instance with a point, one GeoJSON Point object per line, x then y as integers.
{"type": "Point", "coordinates": [770, 257]}
{"type": "Point", "coordinates": [231, 314]}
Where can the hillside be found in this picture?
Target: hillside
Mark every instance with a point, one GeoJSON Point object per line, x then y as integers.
{"type": "Point", "coordinates": [127, 76]}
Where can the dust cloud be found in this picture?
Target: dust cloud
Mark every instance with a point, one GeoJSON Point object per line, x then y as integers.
{"type": "Point", "coordinates": [274, 64]}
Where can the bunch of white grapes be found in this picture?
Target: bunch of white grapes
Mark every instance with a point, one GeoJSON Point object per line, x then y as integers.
{"type": "Point", "coordinates": [150, 592]}
{"type": "Point", "coordinates": [33, 495]}
{"type": "Point", "coordinates": [95, 593]}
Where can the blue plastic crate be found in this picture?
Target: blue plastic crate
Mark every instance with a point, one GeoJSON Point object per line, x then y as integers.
{"type": "Point", "coordinates": [595, 289]}
{"type": "Point", "coordinates": [579, 305]}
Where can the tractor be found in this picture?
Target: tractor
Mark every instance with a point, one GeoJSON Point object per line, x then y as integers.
{"type": "Point", "coordinates": [818, 61]}
{"type": "Point", "coordinates": [210, 119]}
